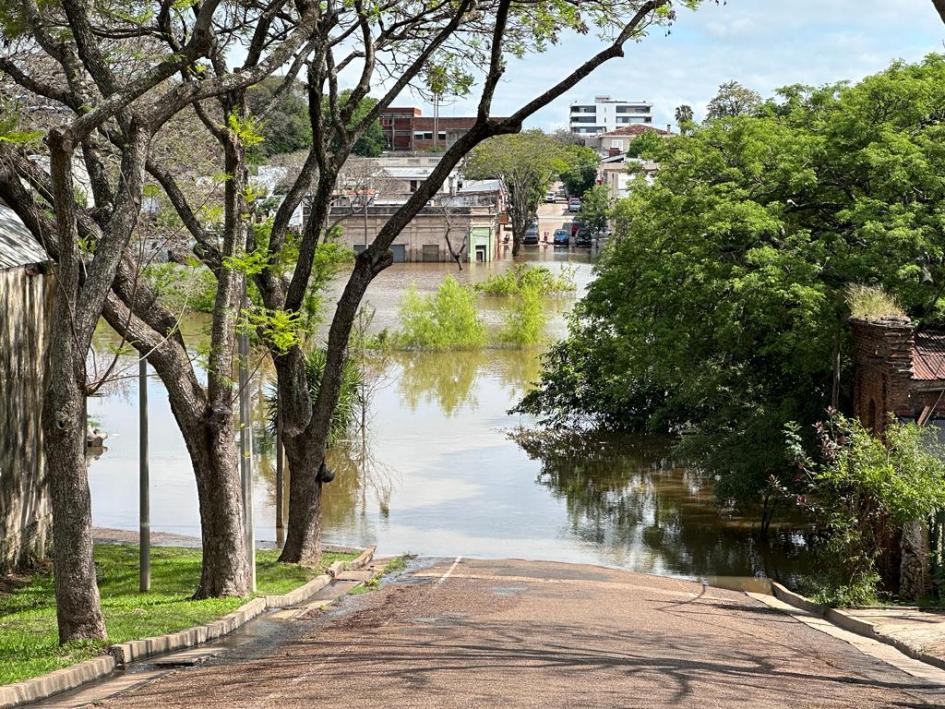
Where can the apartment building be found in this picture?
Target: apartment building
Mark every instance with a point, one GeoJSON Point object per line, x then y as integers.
{"type": "Point", "coordinates": [606, 114]}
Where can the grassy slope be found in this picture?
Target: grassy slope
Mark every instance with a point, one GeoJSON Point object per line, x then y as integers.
{"type": "Point", "coordinates": [28, 640]}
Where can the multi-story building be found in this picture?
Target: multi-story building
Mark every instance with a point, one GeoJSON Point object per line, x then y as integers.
{"type": "Point", "coordinates": [607, 114]}
{"type": "Point", "coordinates": [407, 129]}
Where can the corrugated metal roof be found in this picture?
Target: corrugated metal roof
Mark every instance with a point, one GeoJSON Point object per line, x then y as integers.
{"type": "Point", "coordinates": [18, 247]}
{"type": "Point", "coordinates": [928, 357]}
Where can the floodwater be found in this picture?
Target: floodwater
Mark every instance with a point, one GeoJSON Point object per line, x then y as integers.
{"type": "Point", "coordinates": [440, 469]}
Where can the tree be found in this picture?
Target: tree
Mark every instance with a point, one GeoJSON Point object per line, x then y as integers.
{"type": "Point", "coordinates": [720, 308]}
{"type": "Point", "coordinates": [580, 172]}
{"type": "Point", "coordinates": [684, 118]}
{"type": "Point", "coordinates": [400, 45]}
{"type": "Point", "coordinates": [283, 113]}
{"type": "Point", "coordinates": [527, 163]}
{"type": "Point", "coordinates": [940, 6]}
{"type": "Point", "coordinates": [733, 99]}
{"type": "Point", "coordinates": [647, 143]}
{"type": "Point", "coordinates": [595, 209]}
{"type": "Point", "coordinates": [114, 89]}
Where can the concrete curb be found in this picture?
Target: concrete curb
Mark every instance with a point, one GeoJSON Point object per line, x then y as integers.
{"type": "Point", "coordinates": [853, 624]}
{"type": "Point", "coordinates": [120, 655]}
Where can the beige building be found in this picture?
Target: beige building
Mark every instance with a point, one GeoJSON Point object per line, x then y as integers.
{"type": "Point", "coordinates": [472, 230]}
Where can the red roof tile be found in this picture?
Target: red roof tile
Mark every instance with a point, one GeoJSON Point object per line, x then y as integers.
{"type": "Point", "coordinates": [928, 357]}
{"type": "Point", "coordinates": [635, 129]}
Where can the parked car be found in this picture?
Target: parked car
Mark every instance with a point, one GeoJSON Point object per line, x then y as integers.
{"type": "Point", "coordinates": [576, 226]}
{"type": "Point", "coordinates": [574, 205]}
{"type": "Point", "coordinates": [562, 237]}
{"type": "Point", "coordinates": [531, 235]}
{"type": "Point", "coordinates": [550, 197]}
{"type": "Point", "coordinates": [583, 238]}
{"type": "Point", "coordinates": [561, 198]}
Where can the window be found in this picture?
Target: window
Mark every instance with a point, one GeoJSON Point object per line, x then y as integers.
{"type": "Point", "coordinates": [583, 119]}
{"type": "Point", "coordinates": [583, 109]}
{"type": "Point", "coordinates": [633, 109]}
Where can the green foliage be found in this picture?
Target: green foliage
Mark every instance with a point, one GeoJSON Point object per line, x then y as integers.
{"type": "Point", "coordinates": [522, 276]}
{"type": "Point", "coordinates": [646, 145]}
{"type": "Point", "coordinates": [859, 487]}
{"type": "Point", "coordinates": [524, 321]}
{"type": "Point", "coordinates": [29, 644]}
{"type": "Point", "coordinates": [246, 130]}
{"type": "Point", "coordinates": [733, 99]}
{"type": "Point", "coordinates": [286, 128]}
{"type": "Point", "coordinates": [721, 301]}
{"type": "Point", "coordinates": [596, 207]}
{"type": "Point", "coordinates": [580, 171]}
{"type": "Point", "coordinates": [445, 320]}
{"type": "Point", "coordinates": [183, 287]}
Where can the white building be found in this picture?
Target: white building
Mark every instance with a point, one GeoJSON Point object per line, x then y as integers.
{"type": "Point", "coordinates": [607, 114]}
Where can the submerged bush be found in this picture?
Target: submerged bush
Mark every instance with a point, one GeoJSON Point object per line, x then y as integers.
{"type": "Point", "coordinates": [445, 320]}
{"type": "Point", "coordinates": [525, 319]}
{"type": "Point", "coordinates": [540, 278]}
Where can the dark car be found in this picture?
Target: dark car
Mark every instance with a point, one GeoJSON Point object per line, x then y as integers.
{"type": "Point", "coordinates": [562, 237]}
{"type": "Point", "coordinates": [583, 238]}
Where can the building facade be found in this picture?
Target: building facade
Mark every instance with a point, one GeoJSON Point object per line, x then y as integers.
{"type": "Point", "coordinates": [26, 290]}
{"type": "Point", "coordinates": [899, 371]}
{"type": "Point", "coordinates": [408, 130]}
{"type": "Point", "coordinates": [607, 114]}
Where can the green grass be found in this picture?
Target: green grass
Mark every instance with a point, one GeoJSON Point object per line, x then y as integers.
{"type": "Point", "coordinates": [28, 636]}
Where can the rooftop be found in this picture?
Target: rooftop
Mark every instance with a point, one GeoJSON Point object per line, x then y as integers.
{"type": "Point", "coordinates": [18, 247]}
{"type": "Point", "coordinates": [635, 129]}
{"type": "Point", "coordinates": [928, 356]}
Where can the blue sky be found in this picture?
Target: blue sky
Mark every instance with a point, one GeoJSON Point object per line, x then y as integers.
{"type": "Point", "coordinates": [763, 44]}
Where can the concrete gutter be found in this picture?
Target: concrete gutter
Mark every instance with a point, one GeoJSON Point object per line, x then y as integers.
{"type": "Point", "coordinates": [119, 656]}
{"type": "Point", "coordinates": [853, 624]}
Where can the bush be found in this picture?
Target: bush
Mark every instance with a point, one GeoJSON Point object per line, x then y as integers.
{"type": "Point", "coordinates": [859, 489]}
{"type": "Point", "coordinates": [525, 319]}
{"type": "Point", "coordinates": [445, 320]}
{"type": "Point", "coordinates": [521, 277]}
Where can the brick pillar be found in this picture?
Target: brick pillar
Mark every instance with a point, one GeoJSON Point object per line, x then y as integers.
{"type": "Point", "coordinates": [882, 354]}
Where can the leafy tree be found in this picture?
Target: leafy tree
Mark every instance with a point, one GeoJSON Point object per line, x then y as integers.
{"type": "Point", "coordinates": [528, 163]}
{"type": "Point", "coordinates": [285, 125]}
{"type": "Point", "coordinates": [646, 144]}
{"type": "Point", "coordinates": [733, 99]}
{"type": "Point", "coordinates": [581, 171]}
{"type": "Point", "coordinates": [596, 208]}
{"type": "Point", "coordinates": [720, 306]}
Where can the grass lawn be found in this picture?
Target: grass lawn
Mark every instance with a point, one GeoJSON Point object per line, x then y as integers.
{"type": "Point", "coordinates": [28, 636]}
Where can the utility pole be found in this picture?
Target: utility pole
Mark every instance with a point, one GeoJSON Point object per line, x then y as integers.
{"type": "Point", "coordinates": [246, 452]}
{"type": "Point", "coordinates": [280, 476]}
{"type": "Point", "coordinates": [144, 482]}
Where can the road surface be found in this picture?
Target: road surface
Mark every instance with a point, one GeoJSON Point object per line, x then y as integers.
{"type": "Point", "coordinates": [537, 634]}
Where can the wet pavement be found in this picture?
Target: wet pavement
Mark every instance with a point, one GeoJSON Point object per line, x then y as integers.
{"type": "Point", "coordinates": [484, 633]}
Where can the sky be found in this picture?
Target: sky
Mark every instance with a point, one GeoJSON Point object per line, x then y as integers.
{"type": "Point", "coordinates": [764, 44]}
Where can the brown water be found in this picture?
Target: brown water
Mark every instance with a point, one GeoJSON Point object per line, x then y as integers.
{"type": "Point", "coordinates": [438, 473]}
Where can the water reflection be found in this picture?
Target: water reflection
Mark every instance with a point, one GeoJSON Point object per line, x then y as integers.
{"type": "Point", "coordinates": [628, 496]}
{"type": "Point", "coordinates": [434, 472]}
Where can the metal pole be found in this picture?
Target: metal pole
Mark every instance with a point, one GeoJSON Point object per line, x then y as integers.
{"type": "Point", "coordinates": [144, 492]}
{"type": "Point", "coordinates": [280, 523]}
{"type": "Point", "coordinates": [246, 454]}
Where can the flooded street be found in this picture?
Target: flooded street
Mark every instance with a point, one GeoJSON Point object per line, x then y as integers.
{"type": "Point", "coordinates": [438, 473]}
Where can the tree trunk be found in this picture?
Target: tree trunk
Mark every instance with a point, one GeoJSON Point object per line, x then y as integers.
{"type": "Point", "coordinates": [303, 537]}
{"type": "Point", "coordinates": [225, 570]}
{"type": "Point", "coordinates": [78, 608]}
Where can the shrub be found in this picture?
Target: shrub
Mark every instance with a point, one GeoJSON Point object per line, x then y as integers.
{"type": "Point", "coordinates": [859, 488]}
{"type": "Point", "coordinates": [517, 279]}
{"type": "Point", "coordinates": [872, 303]}
{"type": "Point", "coordinates": [445, 320]}
{"type": "Point", "coordinates": [525, 319]}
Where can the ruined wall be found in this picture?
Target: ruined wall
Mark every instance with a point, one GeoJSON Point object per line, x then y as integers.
{"type": "Point", "coordinates": [882, 352]}
{"type": "Point", "coordinates": [24, 503]}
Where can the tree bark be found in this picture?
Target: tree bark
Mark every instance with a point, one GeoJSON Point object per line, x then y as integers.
{"type": "Point", "coordinates": [78, 608]}
{"type": "Point", "coordinates": [940, 6]}
{"type": "Point", "coordinates": [914, 581]}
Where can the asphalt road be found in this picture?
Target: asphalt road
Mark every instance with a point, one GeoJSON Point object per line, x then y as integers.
{"type": "Point", "coordinates": [514, 633]}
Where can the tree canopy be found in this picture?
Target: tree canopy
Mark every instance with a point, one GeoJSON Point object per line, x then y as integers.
{"type": "Point", "coordinates": [719, 309]}
{"type": "Point", "coordinates": [733, 99]}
